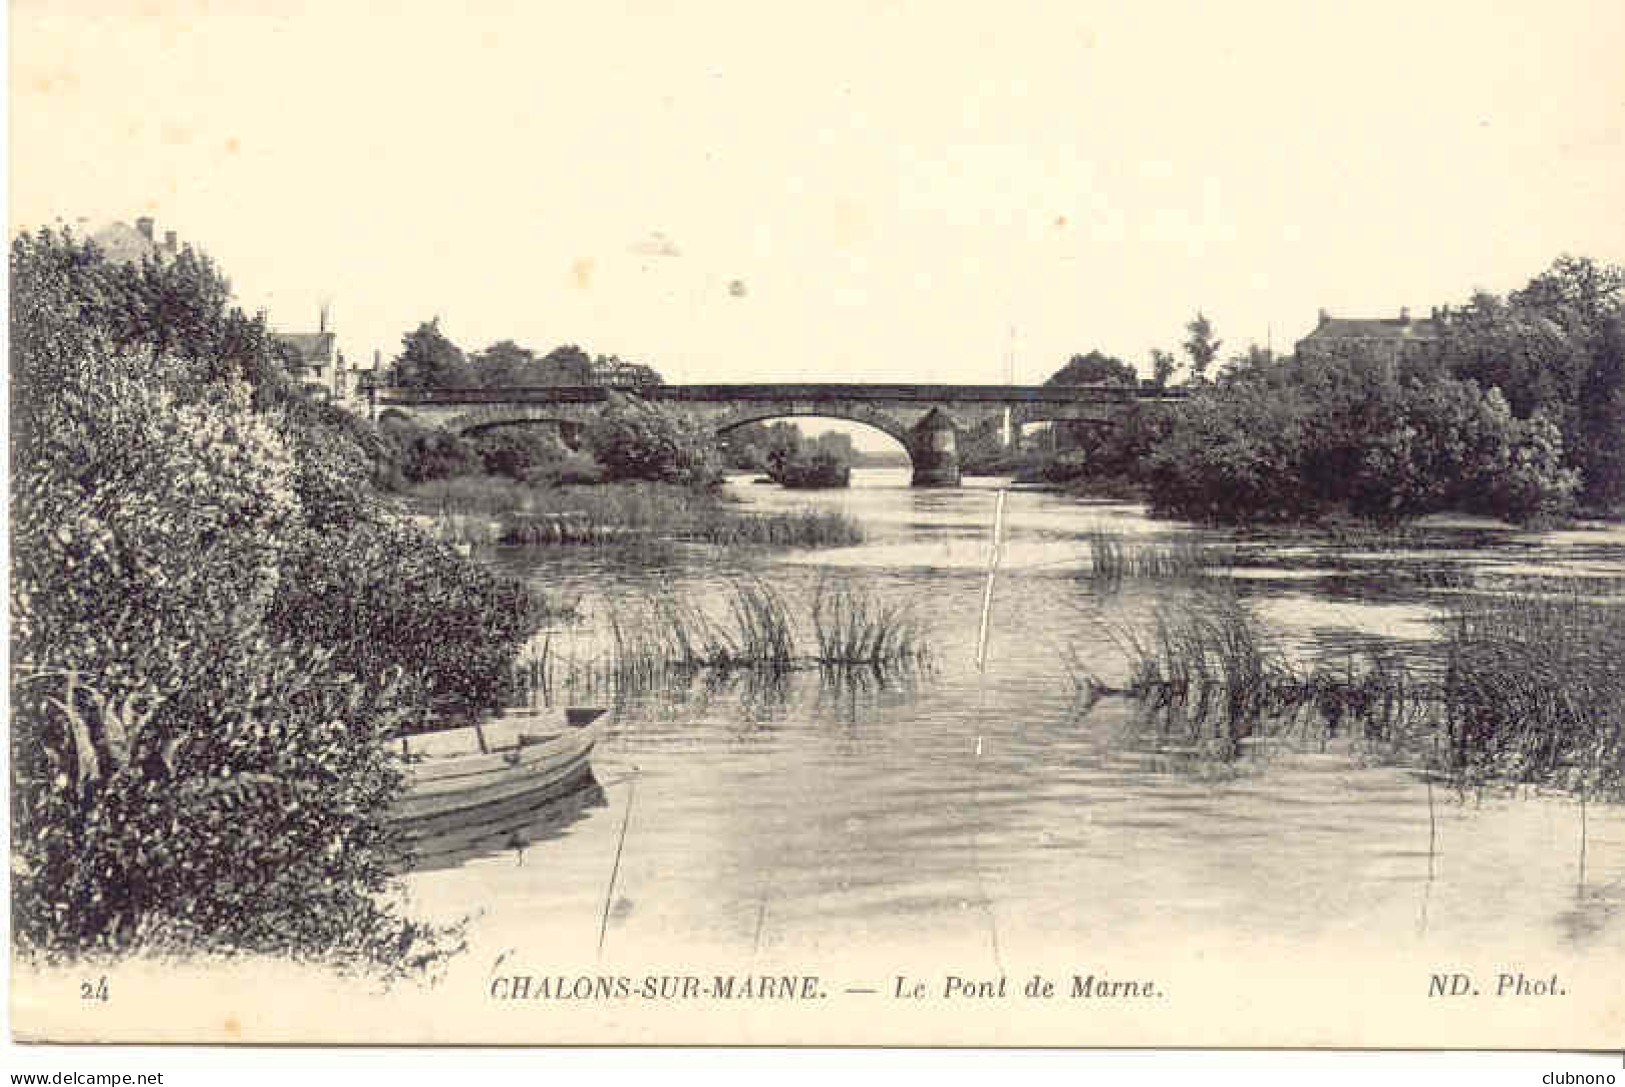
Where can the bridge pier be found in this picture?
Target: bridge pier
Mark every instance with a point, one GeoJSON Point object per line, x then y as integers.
{"type": "Point", "coordinates": [934, 448]}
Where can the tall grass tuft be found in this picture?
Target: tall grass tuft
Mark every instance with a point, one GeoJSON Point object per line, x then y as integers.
{"type": "Point", "coordinates": [854, 627]}
{"type": "Point", "coordinates": [1115, 558]}
{"type": "Point", "coordinates": [1529, 688]}
{"type": "Point", "coordinates": [661, 638]}
{"type": "Point", "coordinates": [484, 510]}
{"type": "Point", "coordinates": [1535, 690]}
{"type": "Point", "coordinates": [808, 527]}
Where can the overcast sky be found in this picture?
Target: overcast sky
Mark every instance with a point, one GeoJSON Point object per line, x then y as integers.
{"type": "Point", "coordinates": [862, 191]}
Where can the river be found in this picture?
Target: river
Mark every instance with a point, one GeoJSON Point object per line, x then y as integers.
{"type": "Point", "coordinates": [982, 818]}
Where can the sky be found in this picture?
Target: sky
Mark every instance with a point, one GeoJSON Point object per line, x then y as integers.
{"type": "Point", "coordinates": [833, 191]}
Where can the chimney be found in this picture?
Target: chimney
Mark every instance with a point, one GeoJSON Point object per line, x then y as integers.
{"type": "Point", "coordinates": [1324, 317]}
{"type": "Point", "coordinates": [1404, 315]}
{"type": "Point", "coordinates": [144, 224]}
{"type": "Point", "coordinates": [169, 240]}
{"type": "Point", "coordinates": [323, 327]}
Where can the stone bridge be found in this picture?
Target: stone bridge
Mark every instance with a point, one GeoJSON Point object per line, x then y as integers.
{"type": "Point", "coordinates": [926, 420]}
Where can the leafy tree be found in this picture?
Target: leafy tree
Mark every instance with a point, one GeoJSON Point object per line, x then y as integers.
{"type": "Point", "coordinates": [1094, 369]}
{"type": "Point", "coordinates": [1575, 286]}
{"type": "Point", "coordinates": [428, 360]}
{"type": "Point", "coordinates": [504, 364]}
{"type": "Point", "coordinates": [1248, 364]}
{"type": "Point", "coordinates": [633, 439]}
{"type": "Point", "coordinates": [1599, 445]}
{"type": "Point", "coordinates": [1554, 349]}
{"type": "Point", "coordinates": [566, 364]}
{"type": "Point", "coordinates": [1163, 365]}
{"type": "Point", "coordinates": [754, 444]}
{"type": "Point", "coordinates": [1234, 454]}
{"type": "Point", "coordinates": [1200, 345]}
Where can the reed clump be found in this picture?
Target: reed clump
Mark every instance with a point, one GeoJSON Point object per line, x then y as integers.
{"type": "Point", "coordinates": [1114, 558]}
{"type": "Point", "coordinates": [1203, 669]}
{"type": "Point", "coordinates": [1535, 690]}
{"type": "Point", "coordinates": [663, 637]}
{"type": "Point", "coordinates": [788, 528]}
{"type": "Point", "coordinates": [488, 510]}
{"type": "Point", "coordinates": [1522, 689]}
{"type": "Point", "coordinates": [483, 496]}
{"type": "Point", "coordinates": [855, 627]}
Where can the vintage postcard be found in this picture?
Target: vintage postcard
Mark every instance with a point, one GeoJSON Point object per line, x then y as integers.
{"type": "Point", "coordinates": [1056, 524]}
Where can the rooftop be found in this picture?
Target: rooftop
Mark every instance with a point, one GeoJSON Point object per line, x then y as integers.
{"type": "Point", "coordinates": [1402, 327]}
{"type": "Point", "coordinates": [310, 346]}
{"type": "Point", "coordinates": [126, 244]}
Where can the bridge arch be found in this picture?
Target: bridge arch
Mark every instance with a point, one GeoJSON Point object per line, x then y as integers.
{"type": "Point", "coordinates": [880, 420]}
{"type": "Point", "coordinates": [487, 417]}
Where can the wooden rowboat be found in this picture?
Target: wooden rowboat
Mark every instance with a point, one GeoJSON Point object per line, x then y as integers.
{"type": "Point", "coordinates": [457, 779]}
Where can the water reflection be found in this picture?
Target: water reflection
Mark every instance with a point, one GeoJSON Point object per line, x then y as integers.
{"type": "Point", "coordinates": [508, 828]}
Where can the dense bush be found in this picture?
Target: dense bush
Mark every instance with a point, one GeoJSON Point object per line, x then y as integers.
{"type": "Point", "coordinates": [191, 766]}
{"type": "Point", "coordinates": [425, 453]}
{"type": "Point", "coordinates": [633, 439]}
{"type": "Point", "coordinates": [516, 451]}
{"type": "Point", "coordinates": [385, 597]}
{"type": "Point", "coordinates": [178, 771]}
{"type": "Point", "coordinates": [420, 454]}
{"type": "Point", "coordinates": [1233, 455]}
{"type": "Point", "coordinates": [1300, 440]}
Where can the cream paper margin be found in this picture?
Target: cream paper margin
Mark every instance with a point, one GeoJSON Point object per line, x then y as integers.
{"type": "Point", "coordinates": [1266, 993]}
{"type": "Point", "coordinates": [1261, 993]}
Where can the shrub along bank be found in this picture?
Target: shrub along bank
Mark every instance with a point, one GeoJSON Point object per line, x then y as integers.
{"type": "Point", "coordinates": [215, 624]}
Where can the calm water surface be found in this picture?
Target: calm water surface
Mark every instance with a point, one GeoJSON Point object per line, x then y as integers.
{"type": "Point", "coordinates": [985, 814]}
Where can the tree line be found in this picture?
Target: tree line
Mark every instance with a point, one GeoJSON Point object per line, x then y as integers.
{"type": "Point", "coordinates": [429, 359]}
{"type": "Point", "coordinates": [1517, 411]}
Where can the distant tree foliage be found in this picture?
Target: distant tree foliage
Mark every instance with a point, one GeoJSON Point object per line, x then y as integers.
{"type": "Point", "coordinates": [1094, 369]}
{"type": "Point", "coordinates": [1163, 365]}
{"type": "Point", "coordinates": [1556, 349]}
{"type": "Point", "coordinates": [428, 360]}
{"type": "Point", "coordinates": [566, 364]}
{"type": "Point", "coordinates": [1519, 413]}
{"type": "Point", "coordinates": [1201, 345]}
{"type": "Point", "coordinates": [504, 364]}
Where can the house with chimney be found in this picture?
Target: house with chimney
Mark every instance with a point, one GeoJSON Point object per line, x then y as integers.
{"type": "Point", "coordinates": [1386, 339]}
{"type": "Point", "coordinates": [312, 357]}
{"type": "Point", "coordinates": [122, 243]}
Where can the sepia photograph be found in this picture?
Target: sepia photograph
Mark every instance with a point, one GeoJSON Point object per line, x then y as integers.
{"type": "Point", "coordinates": [1080, 525]}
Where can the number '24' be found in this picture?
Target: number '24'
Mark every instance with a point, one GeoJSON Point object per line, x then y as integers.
{"type": "Point", "coordinates": [94, 990]}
